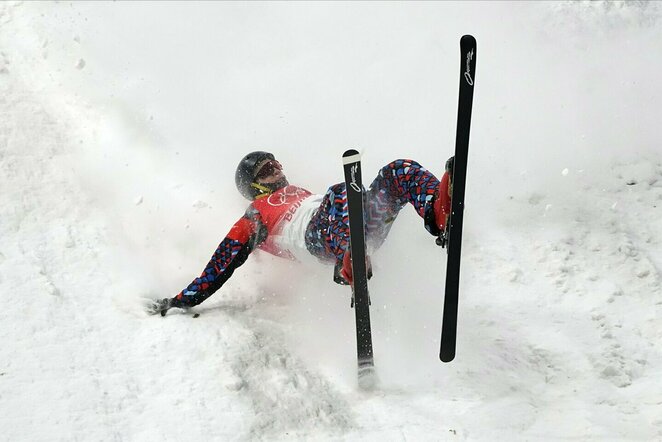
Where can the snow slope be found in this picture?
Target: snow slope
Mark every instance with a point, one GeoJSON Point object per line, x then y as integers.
{"type": "Point", "coordinates": [121, 125]}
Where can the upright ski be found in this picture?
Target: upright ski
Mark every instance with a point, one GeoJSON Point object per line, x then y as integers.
{"type": "Point", "coordinates": [459, 174]}
{"type": "Point", "coordinates": [360, 296]}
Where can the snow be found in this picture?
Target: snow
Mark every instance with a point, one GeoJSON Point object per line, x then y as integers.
{"type": "Point", "coordinates": [121, 125]}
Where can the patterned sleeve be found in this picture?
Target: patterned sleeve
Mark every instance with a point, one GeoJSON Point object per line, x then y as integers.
{"type": "Point", "coordinates": [232, 252]}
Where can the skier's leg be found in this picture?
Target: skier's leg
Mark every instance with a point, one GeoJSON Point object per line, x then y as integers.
{"type": "Point", "coordinates": [327, 235]}
{"type": "Point", "coordinates": [398, 183]}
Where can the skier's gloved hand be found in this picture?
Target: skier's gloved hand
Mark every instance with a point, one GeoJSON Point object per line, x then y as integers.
{"type": "Point", "coordinates": [346, 271]}
{"type": "Point", "coordinates": [338, 278]}
{"type": "Point", "coordinates": [162, 306]}
{"type": "Point", "coordinates": [159, 306]}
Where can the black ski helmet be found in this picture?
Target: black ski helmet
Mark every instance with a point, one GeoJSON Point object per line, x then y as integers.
{"type": "Point", "coordinates": [244, 177]}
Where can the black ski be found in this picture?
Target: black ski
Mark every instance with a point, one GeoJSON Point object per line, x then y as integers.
{"type": "Point", "coordinates": [459, 174]}
{"type": "Point", "coordinates": [360, 296]}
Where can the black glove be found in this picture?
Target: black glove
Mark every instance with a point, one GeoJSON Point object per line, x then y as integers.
{"type": "Point", "coordinates": [162, 306]}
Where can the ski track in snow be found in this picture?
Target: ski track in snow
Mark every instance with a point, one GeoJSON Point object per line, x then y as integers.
{"type": "Point", "coordinates": [287, 398]}
{"type": "Point", "coordinates": [559, 334]}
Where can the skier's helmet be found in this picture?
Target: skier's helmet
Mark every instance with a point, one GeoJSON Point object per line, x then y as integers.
{"type": "Point", "coordinates": [245, 176]}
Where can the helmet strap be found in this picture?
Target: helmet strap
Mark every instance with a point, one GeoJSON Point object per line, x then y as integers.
{"type": "Point", "coordinates": [264, 190]}
{"type": "Point", "coordinates": [268, 189]}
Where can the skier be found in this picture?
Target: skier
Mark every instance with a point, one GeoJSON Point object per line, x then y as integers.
{"type": "Point", "coordinates": [291, 222]}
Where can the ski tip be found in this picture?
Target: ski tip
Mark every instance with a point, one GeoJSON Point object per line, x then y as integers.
{"type": "Point", "coordinates": [447, 356]}
{"type": "Point", "coordinates": [351, 156]}
{"type": "Point", "coordinates": [468, 41]}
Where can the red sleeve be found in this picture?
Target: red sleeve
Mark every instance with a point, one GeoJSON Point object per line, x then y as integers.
{"type": "Point", "coordinates": [242, 230]}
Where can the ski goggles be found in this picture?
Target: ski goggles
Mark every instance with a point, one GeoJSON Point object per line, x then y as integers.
{"type": "Point", "coordinates": [267, 169]}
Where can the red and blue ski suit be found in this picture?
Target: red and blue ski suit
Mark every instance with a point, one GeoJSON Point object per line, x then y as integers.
{"type": "Point", "coordinates": [294, 223]}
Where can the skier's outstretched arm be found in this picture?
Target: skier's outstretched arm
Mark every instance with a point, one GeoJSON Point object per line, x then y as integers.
{"type": "Point", "coordinates": [232, 252]}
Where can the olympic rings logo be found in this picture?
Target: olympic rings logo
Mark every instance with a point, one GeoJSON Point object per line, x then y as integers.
{"type": "Point", "coordinates": [281, 197]}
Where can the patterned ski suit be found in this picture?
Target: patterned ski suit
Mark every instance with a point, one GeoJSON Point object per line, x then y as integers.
{"type": "Point", "coordinates": [293, 223]}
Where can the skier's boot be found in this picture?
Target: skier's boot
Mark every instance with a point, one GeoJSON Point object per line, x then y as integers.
{"type": "Point", "coordinates": [441, 204]}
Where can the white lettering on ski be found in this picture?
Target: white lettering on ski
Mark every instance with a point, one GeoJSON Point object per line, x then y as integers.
{"type": "Point", "coordinates": [352, 184]}
{"type": "Point", "coordinates": [467, 72]}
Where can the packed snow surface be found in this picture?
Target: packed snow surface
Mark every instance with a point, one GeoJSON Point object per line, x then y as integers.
{"type": "Point", "coordinates": [120, 128]}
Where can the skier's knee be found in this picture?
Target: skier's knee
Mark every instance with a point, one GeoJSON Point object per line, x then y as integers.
{"type": "Point", "coordinates": [399, 165]}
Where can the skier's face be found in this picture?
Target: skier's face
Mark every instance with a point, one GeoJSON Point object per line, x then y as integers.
{"type": "Point", "coordinates": [269, 172]}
